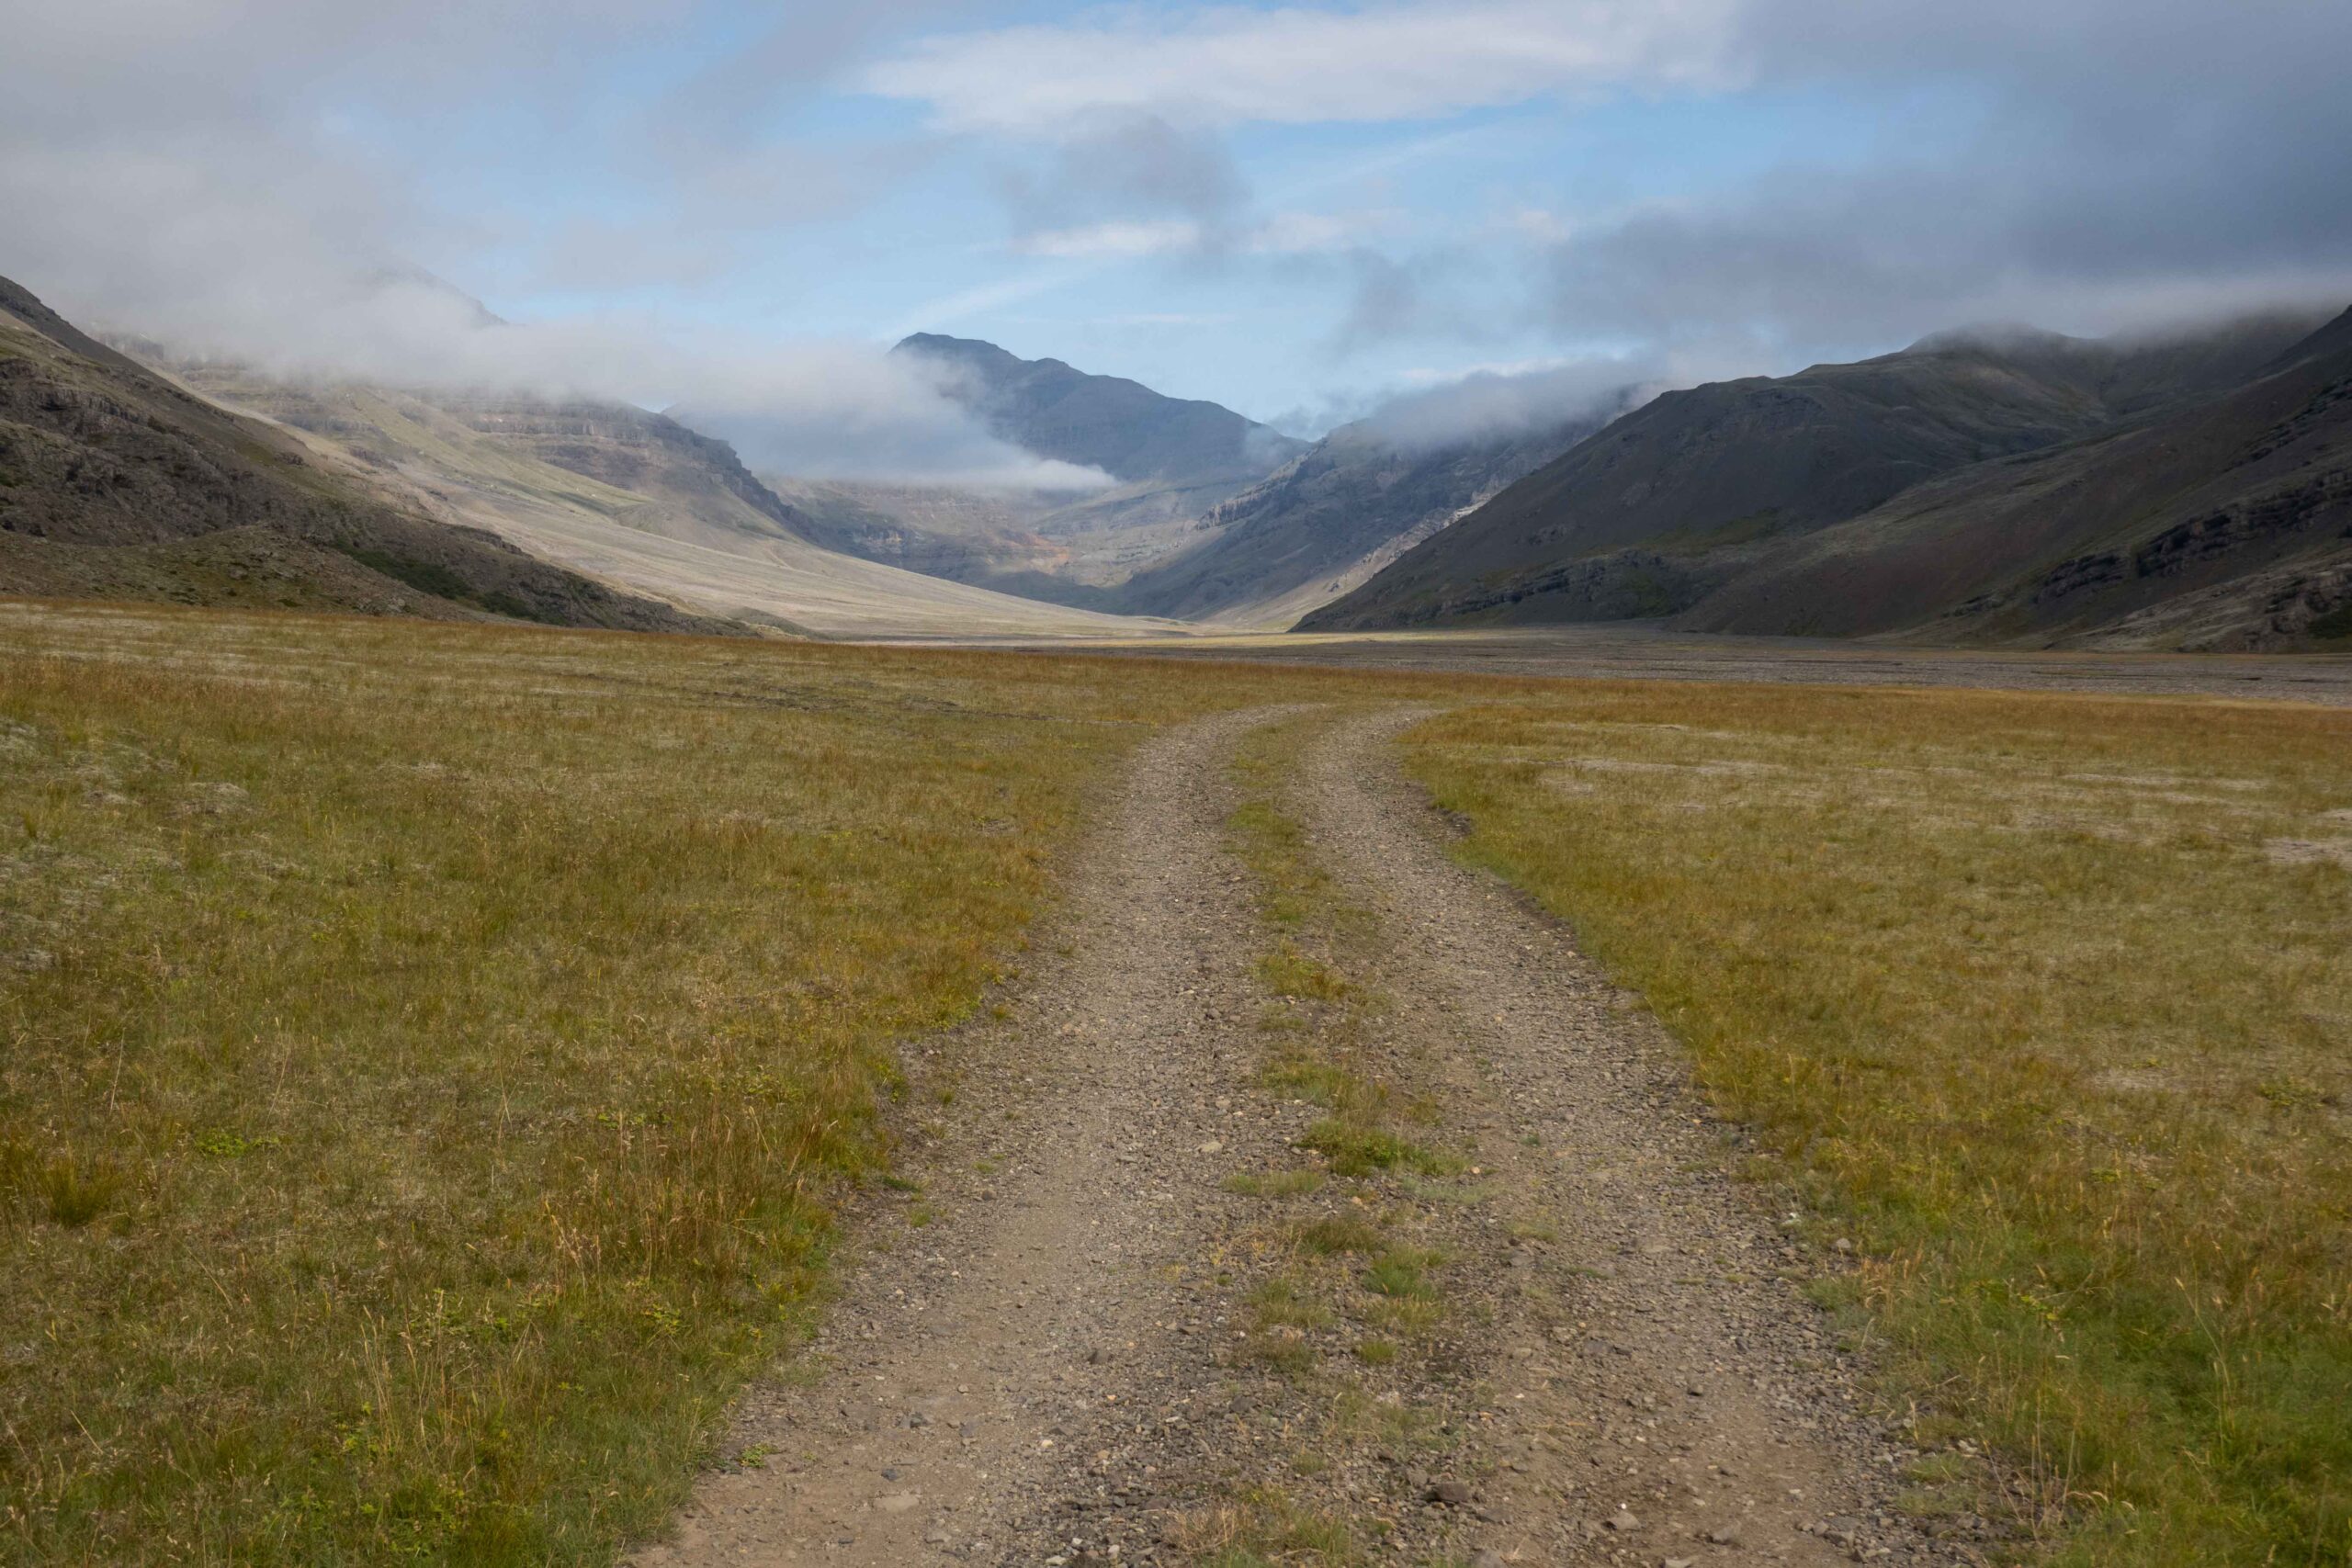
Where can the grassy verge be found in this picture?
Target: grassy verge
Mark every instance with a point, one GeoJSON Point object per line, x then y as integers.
{"type": "Point", "coordinates": [1344, 1303]}
{"type": "Point", "coordinates": [2047, 1002]}
{"type": "Point", "coordinates": [423, 1051]}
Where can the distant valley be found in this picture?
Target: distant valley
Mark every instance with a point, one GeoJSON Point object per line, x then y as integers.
{"type": "Point", "coordinates": [2001, 486]}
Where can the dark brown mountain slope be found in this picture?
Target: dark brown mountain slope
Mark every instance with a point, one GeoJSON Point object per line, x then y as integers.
{"type": "Point", "coordinates": [2226, 523]}
{"type": "Point", "coordinates": [1663, 506]}
{"type": "Point", "coordinates": [115, 483]}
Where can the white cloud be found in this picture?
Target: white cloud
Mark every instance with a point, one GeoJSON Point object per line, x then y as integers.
{"type": "Point", "coordinates": [1118, 239]}
{"type": "Point", "coordinates": [1284, 234]}
{"type": "Point", "coordinates": [1306, 233]}
{"type": "Point", "coordinates": [1228, 65]}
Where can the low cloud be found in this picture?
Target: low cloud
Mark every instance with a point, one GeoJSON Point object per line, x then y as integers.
{"type": "Point", "coordinates": [819, 408]}
{"type": "Point", "coordinates": [1487, 405]}
{"type": "Point", "coordinates": [846, 412]}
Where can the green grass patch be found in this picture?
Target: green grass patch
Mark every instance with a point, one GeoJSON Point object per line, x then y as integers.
{"type": "Point", "coordinates": [1295, 1183]}
{"type": "Point", "coordinates": [1403, 1272]}
{"type": "Point", "coordinates": [1287, 972]}
{"type": "Point", "coordinates": [426, 1052]}
{"type": "Point", "coordinates": [1283, 1302]}
{"type": "Point", "coordinates": [1339, 1234]}
{"type": "Point", "coordinates": [2042, 999]}
{"type": "Point", "coordinates": [1352, 1149]}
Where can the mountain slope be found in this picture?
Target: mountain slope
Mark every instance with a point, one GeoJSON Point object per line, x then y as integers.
{"type": "Point", "coordinates": [2225, 523]}
{"type": "Point", "coordinates": [625, 493]}
{"type": "Point", "coordinates": [1332, 517]}
{"type": "Point", "coordinates": [1122, 427]}
{"type": "Point", "coordinates": [1170, 462]}
{"type": "Point", "coordinates": [115, 483]}
{"type": "Point", "coordinates": [1666, 504]}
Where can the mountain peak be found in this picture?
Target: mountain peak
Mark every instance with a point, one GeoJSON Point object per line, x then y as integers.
{"type": "Point", "coordinates": [1122, 427]}
{"type": "Point", "coordinates": [1999, 337]}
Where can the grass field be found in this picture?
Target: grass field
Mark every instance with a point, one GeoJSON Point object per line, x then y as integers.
{"type": "Point", "coordinates": [426, 1052]}
{"type": "Point", "coordinates": [422, 1050]}
{"type": "Point", "coordinates": [2046, 1004]}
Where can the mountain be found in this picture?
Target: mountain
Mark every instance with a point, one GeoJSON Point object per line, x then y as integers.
{"type": "Point", "coordinates": [1332, 517]}
{"type": "Point", "coordinates": [630, 495]}
{"type": "Point", "coordinates": [116, 482]}
{"type": "Point", "coordinates": [1170, 460]}
{"type": "Point", "coordinates": [1056, 546]}
{"type": "Point", "coordinates": [1670, 509]}
{"type": "Point", "coordinates": [2224, 524]}
{"type": "Point", "coordinates": [1122, 427]}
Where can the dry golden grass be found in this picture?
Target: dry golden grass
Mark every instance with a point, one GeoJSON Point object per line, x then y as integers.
{"type": "Point", "coordinates": [422, 1050]}
{"type": "Point", "coordinates": [2047, 1002]}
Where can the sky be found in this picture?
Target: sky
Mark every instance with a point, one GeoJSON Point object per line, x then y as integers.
{"type": "Point", "coordinates": [1299, 210]}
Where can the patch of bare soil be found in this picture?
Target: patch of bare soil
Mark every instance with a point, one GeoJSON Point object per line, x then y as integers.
{"type": "Point", "coordinates": [1056, 1359]}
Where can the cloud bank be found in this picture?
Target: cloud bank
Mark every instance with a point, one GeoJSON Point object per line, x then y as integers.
{"type": "Point", "coordinates": [172, 168]}
{"type": "Point", "coordinates": [233, 175]}
{"type": "Point", "coordinates": [2117, 162]}
{"type": "Point", "coordinates": [1488, 405]}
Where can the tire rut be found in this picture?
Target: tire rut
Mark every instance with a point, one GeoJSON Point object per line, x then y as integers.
{"type": "Point", "coordinates": [978, 1379]}
{"type": "Point", "coordinates": [1662, 1393]}
{"type": "Point", "coordinates": [1052, 1371]}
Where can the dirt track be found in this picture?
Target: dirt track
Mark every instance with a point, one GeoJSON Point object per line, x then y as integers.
{"type": "Point", "coordinates": [1043, 1356]}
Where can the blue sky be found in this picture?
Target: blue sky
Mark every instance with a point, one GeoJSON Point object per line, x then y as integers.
{"type": "Point", "coordinates": [1293, 209]}
{"type": "Point", "coordinates": [938, 236]}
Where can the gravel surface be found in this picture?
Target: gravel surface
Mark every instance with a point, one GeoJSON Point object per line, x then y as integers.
{"type": "Point", "coordinates": [1635, 652]}
{"type": "Point", "coordinates": [1044, 1356]}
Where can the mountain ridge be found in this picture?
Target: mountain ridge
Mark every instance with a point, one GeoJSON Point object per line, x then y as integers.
{"type": "Point", "coordinates": [115, 481]}
{"type": "Point", "coordinates": [1335, 515]}
{"type": "Point", "coordinates": [1107, 423]}
{"type": "Point", "coordinates": [1671, 505]}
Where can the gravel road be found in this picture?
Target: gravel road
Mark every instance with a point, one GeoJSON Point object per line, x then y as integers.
{"type": "Point", "coordinates": [1037, 1358]}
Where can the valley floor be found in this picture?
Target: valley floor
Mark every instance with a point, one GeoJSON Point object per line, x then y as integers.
{"type": "Point", "coordinates": [1625, 650]}
{"type": "Point", "coordinates": [471, 1093]}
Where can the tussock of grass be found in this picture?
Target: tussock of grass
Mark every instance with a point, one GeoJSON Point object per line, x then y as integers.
{"type": "Point", "coordinates": [424, 1050]}
{"type": "Point", "coordinates": [2044, 998]}
{"type": "Point", "coordinates": [1268, 1527]}
{"type": "Point", "coordinates": [1296, 1183]}
{"type": "Point", "coordinates": [1295, 1072]}
{"type": "Point", "coordinates": [1339, 1234]}
{"type": "Point", "coordinates": [1403, 1272]}
{"type": "Point", "coordinates": [1351, 1148]}
{"type": "Point", "coordinates": [1288, 1304]}
{"type": "Point", "coordinates": [1287, 972]}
